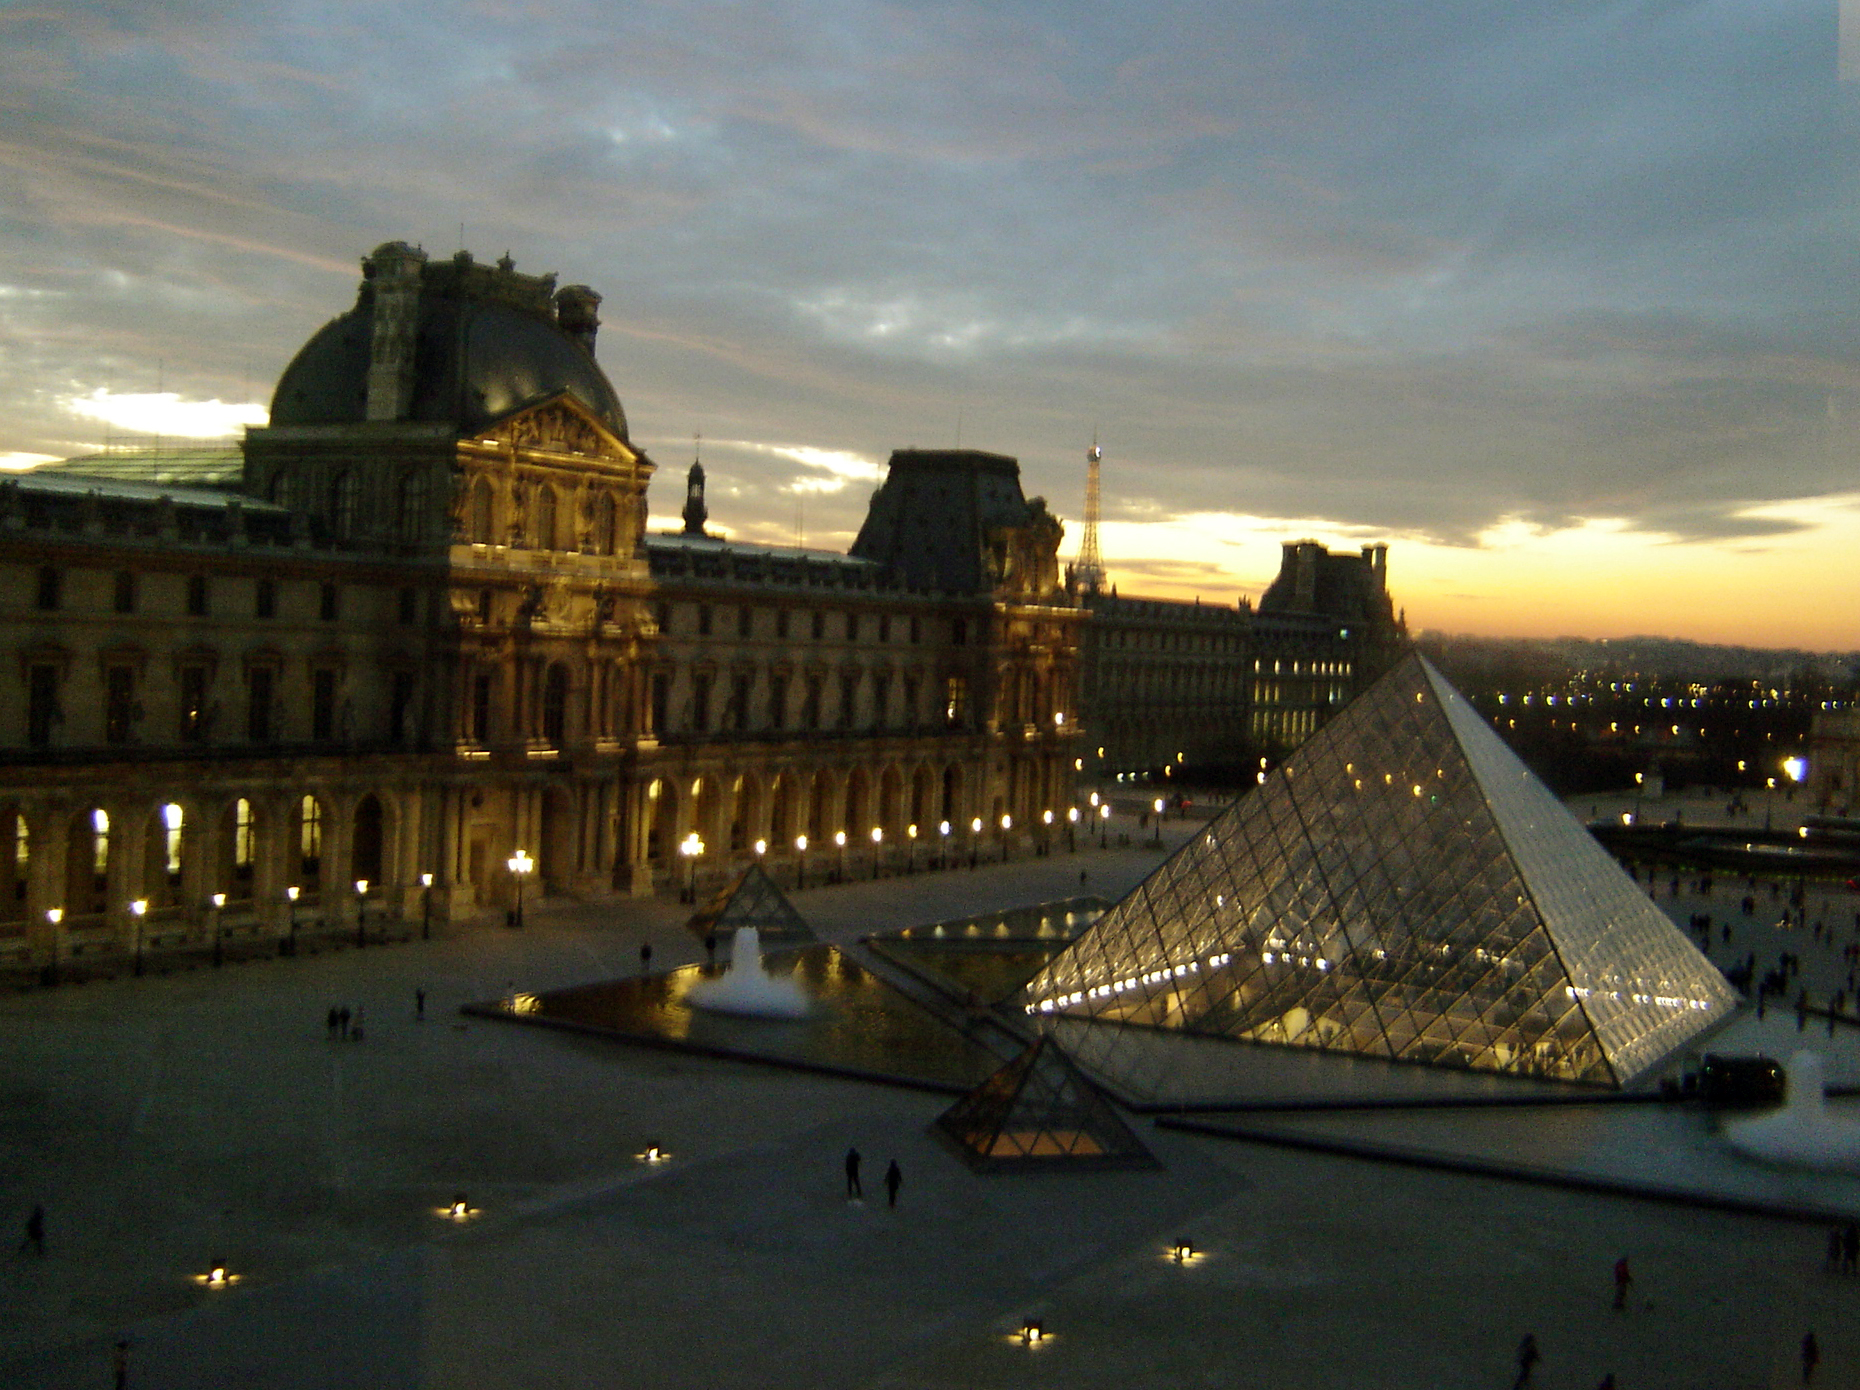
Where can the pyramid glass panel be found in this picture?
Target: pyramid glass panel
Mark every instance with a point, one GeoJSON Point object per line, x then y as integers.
{"type": "Point", "coordinates": [753, 899]}
{"type": "Point", "coordinates": [1402, 887]}
{"type": "Point", "coordinates": [1039, 1111]}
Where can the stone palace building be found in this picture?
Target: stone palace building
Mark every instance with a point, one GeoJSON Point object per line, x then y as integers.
{"type": "Point", "coordinates": [411, 652]}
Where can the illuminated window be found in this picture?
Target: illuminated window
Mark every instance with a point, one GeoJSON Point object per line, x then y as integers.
{"type": "Point", "coordinates": [172, 819]}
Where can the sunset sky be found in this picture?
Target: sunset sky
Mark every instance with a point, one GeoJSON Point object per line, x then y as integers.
{"type": "Point", "coordinates": [1562, 301]}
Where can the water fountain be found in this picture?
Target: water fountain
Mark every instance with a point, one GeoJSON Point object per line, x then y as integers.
{"type": "Point", "coordinates": [1801, 1134]}
{"type": "Point", "coordinates": [746, 988]}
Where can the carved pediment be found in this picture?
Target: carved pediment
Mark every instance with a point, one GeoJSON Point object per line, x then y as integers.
{"type": "Point", "coordinates": [560, 426]}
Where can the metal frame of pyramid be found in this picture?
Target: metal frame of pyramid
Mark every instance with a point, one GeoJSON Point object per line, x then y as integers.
{"type": "Point", "coordinates": [1041, 1112]}
{"type": "Point", "coordinates": [753, 899]}
{"type": "Point", "coordinates": [1402, 887]}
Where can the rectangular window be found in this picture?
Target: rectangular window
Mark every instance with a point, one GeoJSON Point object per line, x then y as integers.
{"type": "Point", "coordinates": [881, 701]}
{"type": "Point", "coordinates": [193, 704]}
{"type": "Point", "coordinates": [956, 702]}
{"type": "Point", "coordinates": [258, 682]}
{"type": "Point", "coordinates": [322, 705]}
{"type": "Point", "coordinates": [400, 706]}
{"type": "Point", "coordinates": [409, 607]}
{"type": "Point", "coordinates": [124, 598]}
{"type": "Point", "coordinates": [119, 703]}
{"type": "Point", "coordinates": [852, 627]}
{"type": "Point", "coordinates": [661, 697]}
{"type": "Point", "coordinates": [329, 603]}
{"type": "Point", "coordinates": [265, 599]}
{"type": "Point", "coordinates": [743, 617]}
{"type": "Point", "coordinates": [41, 704]}
{"type": "Point", "coordinates": [781, 623]}
{"type": "Point", "coordinates": [481, 708]}
{"type": "Point", "coordinates": [197, 596]}
{"type": "Point", "coordinates": [50, 588]}
{"type": "Point", "coordinates": [849, 699]}
{"type": "Point", "coordinates": [917, 629]}
{"type": "Point", "coordinates": [700, 703]}
{"type": "Point", "coordinates": [778, 702]}
{"type": "Point", "coordinates": [703, 620]}
{"type": "Point", "coordinates": [739, 701]}
{"type": "Point", "coordinates": [810, 704]}
{"type": "Point", "coordinates": [884, 627]}
{"type": "Point", "coordinates": [820, 626]}
{"type": "Point", "coordinates": [911, 688]}
{"type": "Point", "coordinates": [959, 632]}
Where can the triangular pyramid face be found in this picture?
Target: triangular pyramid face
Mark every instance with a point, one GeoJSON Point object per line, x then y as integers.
{"type": "Point", "coordinates": [1402, 887]}
{"type": "Point", "coordinates": [1039, 1111]}
{"type": "Point", "coordinates": [752, 899]}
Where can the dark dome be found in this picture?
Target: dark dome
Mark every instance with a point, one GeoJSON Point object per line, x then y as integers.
{"type": "Point", "coordinates": [474, 362]}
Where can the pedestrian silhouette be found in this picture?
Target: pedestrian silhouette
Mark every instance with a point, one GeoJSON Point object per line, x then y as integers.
{"type": "Point", "coordinates": [119, 1362]}
{"type": "Point", "coordinates": [419, 1005]}
{"type": "Point", "coordinates": [34, 1238]}
{"type": "Point", "coordinates": [645, 957]}
{"type": "Point", "coordinates": [1608, 1382]}
{"type": "Point", "coordinates": [853, 1190]}
{"type": "Point", "coordinates": [894, 1179]}
{"type": "Point", "coordinates": [1622, 1279]}
{"type": "Point", "coordinates": [1528, 1357]}
{"type": "Point", "coordinates": [1811, 1356]}
{"type": "Point", "coordinates": [334, 1018]}
{"type": "Point", "coordinates": [342, 1020]}
{"type": "Point", "coordinates": [710, 948]}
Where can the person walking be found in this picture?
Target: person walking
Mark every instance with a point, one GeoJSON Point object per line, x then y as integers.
{"type": "Point", "coordinates": [645, 958]}
{"type": "Point", "coordinates": [1623, 1278]}
{"type": "Point", "coordinates": [119, 1362]}
{"type": "Point", "coordinates": [342, 1022]}
{"type": "Point", "coordinates": [894, 1179]}
{"type": "Point", "coordinates": [1608, 1382]}
{"type": "Point", "coordinates": [333, 1019]}
{"type": "Point", "coordinates": [1811, 1356]}
{"type": "Point", "coordinates": [1528, 1357]}
{"type": "Point", "coordinates": [854, 1192]}
{"type": "Point", "coordinates": [419, 1006]}
{"type": "Point", "coordinates": [34, 1239]}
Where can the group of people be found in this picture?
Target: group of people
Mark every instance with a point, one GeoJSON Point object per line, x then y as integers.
{"type": "Point", "coordinates": [345, 1024]}
{"type": "Point", "coordinates": [855, 1192]}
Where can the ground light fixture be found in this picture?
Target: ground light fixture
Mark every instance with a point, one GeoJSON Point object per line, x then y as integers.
{"type": "Point", "coordinates": [458, 1209]}
{"type": "Point", "coordinates": [1032, 1333]}
{"type": "Point", "coordinates": [218, 1276]}
{"type": "Point", "coordinates": [652, 1153]}
{"type": "Point", "coordinates": [1183, 1251]}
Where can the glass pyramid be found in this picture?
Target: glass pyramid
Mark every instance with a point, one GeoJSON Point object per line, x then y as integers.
{"type": "Point", "coordinates": [1039, 1111]}
{"type": "Point", "coordinates": [1402, 887]}
{"type": "Point", "coordinates": [752, 899]}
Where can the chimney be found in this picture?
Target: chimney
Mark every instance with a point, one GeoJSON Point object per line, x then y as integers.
{"type": "Point", "coordinates": [1304, 580]}
{"type": "Point", "coordinates": [394, 271]}
{"type": "Point", "coordinates": [577, 313]}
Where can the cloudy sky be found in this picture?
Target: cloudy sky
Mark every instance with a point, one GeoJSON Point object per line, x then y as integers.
{"type": "Point", "coordinates": [1560, 299]}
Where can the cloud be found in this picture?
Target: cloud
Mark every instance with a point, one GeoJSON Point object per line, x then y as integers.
{"type": "Point", "coordinates": [164, 412]}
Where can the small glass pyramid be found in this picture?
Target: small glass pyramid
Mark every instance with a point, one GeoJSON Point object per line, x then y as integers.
{"type": "Point", "coordinates": [752, 899]}
{"type": "Point", "coordinates": [1039, 1111]}
{"type": "Point", "coordinates": [1402, 887]}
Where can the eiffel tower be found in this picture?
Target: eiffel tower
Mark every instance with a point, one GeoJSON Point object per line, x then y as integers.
{"type": "Point", "coordinates": [1090, 569]}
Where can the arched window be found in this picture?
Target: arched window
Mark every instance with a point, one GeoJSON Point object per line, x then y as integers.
{"type": "Point", "coordinates": [345, 497]}
{"type": "Point", "coordinates": [542, 535]}
{"type": "Point", "coordinates": [244, 844]}
{"type": "Point", "coordinates": [606, 525]}
{"type": "Point", "coordinates": [481, 511]}
{"type": "Point", "coordinates": [366, 859]}
{"type": "Point", "coordinates": [310, 842]}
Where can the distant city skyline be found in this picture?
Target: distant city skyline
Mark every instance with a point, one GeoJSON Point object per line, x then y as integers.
{"type": "Point", "coordinates": [1562, 305]}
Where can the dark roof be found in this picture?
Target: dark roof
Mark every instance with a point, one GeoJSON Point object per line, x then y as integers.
{"type": "Point", "coordinates": [474, 362]}
{"type": "Point", "coordinates": [928, 521]}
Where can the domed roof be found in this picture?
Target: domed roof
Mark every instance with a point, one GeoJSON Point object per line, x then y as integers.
{"type": "Point", "coordinates": [475, 361]}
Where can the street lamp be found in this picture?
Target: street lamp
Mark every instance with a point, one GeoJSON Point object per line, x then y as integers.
{"type": "Point", "coordinates": [1007, 824]}
{"type": "Point", "coordinates": [762, 848]}
{"type": "Point", "coordinates": [691, 847]}
{"type": "Point", "coordinates": [942, 858]}
{"type": "Point", "coordinates": [138, 910]}
{"type": "Point", "coordinates": [361, 912]}
{"type": "Point", "coordinates": [975, 836]}
{"type": "Point", "coordinates": [910, 860]}
{"type": "Point", "coordinates": [800, 875]}
{"type": "Point", "coordinates": [519, 865]}
{"type": "Point", "coordinates": [426, 907]}
{"type": "Point", "coordinates": [1104, 826]}
{"type": "Point", "coordinates": [290, 942]}
{"type": "Point", "coordinates": [219, 919]}
{"type": "Point", "coordinates": [1046, 819]}
{"type": "Point", "coordinates": [839, 838]}
{"type": "Point", "coordinates": [1159, 815]}
{"type": "Point", "coordinates": [878, 837]}
{"type": "Point", "coordinates": [1072, 826]}
{"type": "Point", "coordinates": [56, 916]}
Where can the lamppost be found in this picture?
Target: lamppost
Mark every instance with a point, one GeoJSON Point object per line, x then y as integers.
{"type": "Point", "coordinates": [290, 942]}
{"type": "Point", "coordinates": [219, 920]}
{"type": "Point", "coordinates": [1072, 827]}
{"type": "Point", "coordinates": [1104, 826]}
{"type": "Point", "coordinates": [361, 912]}
{"type": "Point", "coordinates": [942, 855]}
{"type": "Point", "coordinates": [691, 847]}
{"type": "Point", "coordinates": [1046, 835]}
{"type": "Point", "coordinates": [910, 858]}
{"type": "Point", "coordinates": [1159, 815]}
{"type": "Point", "coordinates": [1007, 824]}
{"type": "Point", "coordinates": [426, 907]}
{"type": "Point", "coordinates": [975, 838]}
{"type": "Point", "coordinates": [519, 865]}
{"type": "Point", "coordinates": [138, 910]}
{"type": "Point", "coordinates": [56, 916]}
{"type": "Point", "coordinates": [839, 838]}
{"type": "Point", "coordinates": [800, 874]}
{"type": "Point", "coordinates": [878, 836]}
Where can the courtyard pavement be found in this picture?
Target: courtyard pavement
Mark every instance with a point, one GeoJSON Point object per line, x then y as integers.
{"type": "Point", "coordinates": [172, 1121]}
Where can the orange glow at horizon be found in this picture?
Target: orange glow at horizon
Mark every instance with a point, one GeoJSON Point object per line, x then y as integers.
{"type": "Point", "coordinates": [1599, 579]}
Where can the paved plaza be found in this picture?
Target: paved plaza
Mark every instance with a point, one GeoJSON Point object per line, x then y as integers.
{"type": "Point", "coordinates": [175, 1120]}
